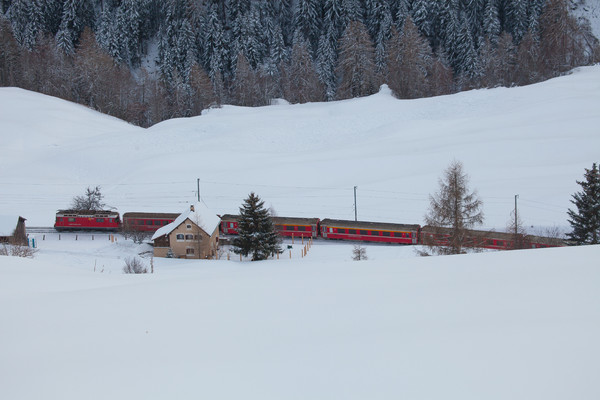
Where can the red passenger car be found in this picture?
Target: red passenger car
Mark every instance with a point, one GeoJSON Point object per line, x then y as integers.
{"type": "Point", "coordinates": [146, 222]}
{"type": "Point", "coordinates": [488, 239]}
{"type": "Point", "coordinates": [296, 227]}
{"type": "Point", "coordinates": [229, 224]}
{"type": "Point", "coordinates": [380, 232]}
{"type": "Point", "coordinates": [104, 220]}
{"type": "Point", "coordinates": [285, 226]}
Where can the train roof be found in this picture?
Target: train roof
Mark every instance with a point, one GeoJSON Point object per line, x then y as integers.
{"type": "Point", "coordinates": [367, 225]}
{"type": "Point", "coordinates": [294, 220]}
{"type": "Point", "coordinates": [277, 220]}
{"type": "Point", "coordinates": [149, 215]}
{"type": "Point", "coordinates": [87, 212]}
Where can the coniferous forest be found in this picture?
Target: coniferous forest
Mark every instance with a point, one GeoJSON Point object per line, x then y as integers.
{"type": "Point", "coordinates": [150, 60]}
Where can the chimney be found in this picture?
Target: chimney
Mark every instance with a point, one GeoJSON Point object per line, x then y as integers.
{"type": "Point", "coordinates": [191, 207]}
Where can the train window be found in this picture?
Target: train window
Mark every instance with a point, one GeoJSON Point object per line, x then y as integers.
{"type": "Point", "coordinates": [386, 233]}
{"type": "Point", "coordinates": [99, 219]}
{"type": "Point", "coordinates": [289, 228]}
{"type": "Point", "coordinates": [71, 219]}
{"type": "Point", "coordinates": [500, 243]}
{"type": "Point", "coordinates": [302, 228]}
{"type": "Point", "coordinates": [352, 231]}
{"type": "Point", "coordinates": [363, 232]}
{"type": "Point", "coordinates": [374, 233]}
{"type": "Point", "coordinates": [340, 230]}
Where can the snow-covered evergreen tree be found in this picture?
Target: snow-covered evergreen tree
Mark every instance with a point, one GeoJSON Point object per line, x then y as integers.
{"type": "Point", "coordinates": [307, 21]}
{"type": "Point", "coordinates": [326, 61]}
{"type": "Point", "coordinates": [257, 236]}
{"type": "Point", "coordinates": [517, 20]}
{"type": "Point", "coordinates": [420, 12]}
{"type": "Point", "coordinates": [379, 23]}
{"type": "Point", "coordinates": [585, 220]}
{"type": "Point", "coordinates": [491, 21]}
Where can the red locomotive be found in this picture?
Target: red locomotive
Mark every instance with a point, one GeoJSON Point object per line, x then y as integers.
{"type": "Point", "coordinates": [105, 220]}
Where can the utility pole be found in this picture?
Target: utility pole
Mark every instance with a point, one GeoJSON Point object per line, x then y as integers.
{"type": "Point", "coordinates": [355, 206]}
{"type": "Point", "coordinates": [198, 182]}
{"type": "Point", "coordinates": [516, 217]}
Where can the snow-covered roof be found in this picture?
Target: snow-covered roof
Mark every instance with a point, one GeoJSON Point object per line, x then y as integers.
{"type": "Point", "coordinates": [8, 223]}
{"type": "Point", "coordinates": [201, 215]}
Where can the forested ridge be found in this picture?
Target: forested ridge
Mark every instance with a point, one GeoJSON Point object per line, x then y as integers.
{"type": "Point", "coordinates": [203, 53]}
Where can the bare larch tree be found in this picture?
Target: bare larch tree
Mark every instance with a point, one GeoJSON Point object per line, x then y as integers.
{"type": "Point", "coordinates": [453, 210]}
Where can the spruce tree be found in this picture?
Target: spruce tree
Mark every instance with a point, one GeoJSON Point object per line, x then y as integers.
{"type": "Point", "coordinates": [585, 221]}
{"type": "Point", "coordinates": [257, 235]}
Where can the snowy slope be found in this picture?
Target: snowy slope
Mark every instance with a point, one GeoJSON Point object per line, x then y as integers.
{"type": "Point", "coordinates": [304, 160]}
{"type": "Point", "coordinates": [512, 325]}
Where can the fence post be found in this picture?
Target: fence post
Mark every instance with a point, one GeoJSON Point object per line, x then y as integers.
{"type": "Point", "coordinates": [76, 237]}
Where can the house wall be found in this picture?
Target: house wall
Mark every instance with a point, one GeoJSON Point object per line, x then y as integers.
{"type": "Point", "coordinates": [188, 241]}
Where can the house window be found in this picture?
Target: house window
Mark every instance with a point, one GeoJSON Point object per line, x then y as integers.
{"type": "Point", "coordinates": [189, 251]}
{"type": "Point", "coordinates": [189, 237]}
{"type": "Point", "coordinates": [188, 226]}
{"type": "Point", "coordinates": [180, 236]}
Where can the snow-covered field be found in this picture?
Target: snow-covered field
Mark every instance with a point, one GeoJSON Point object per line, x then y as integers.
{"type": "Point", "coordinates": [503, 325]}
{"type": "Point", "coordinates": [495, 325]}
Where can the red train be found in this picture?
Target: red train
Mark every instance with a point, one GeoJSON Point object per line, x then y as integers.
{"type": "Point", "coordinates": [384, 232]}
{"type": "Point", "coordinates": [106, 220]}
{"type": "Point", "coordinates": [330, 229]}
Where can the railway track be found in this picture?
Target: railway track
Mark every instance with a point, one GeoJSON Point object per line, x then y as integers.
{"type": "Point", "coordinates": [40, 229]}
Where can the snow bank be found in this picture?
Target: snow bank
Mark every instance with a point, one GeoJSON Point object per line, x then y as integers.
{"type": "Point", "coordinates": [518, 325]}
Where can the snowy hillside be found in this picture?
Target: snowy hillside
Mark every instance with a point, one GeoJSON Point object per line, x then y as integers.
{"type": "Point", "coordinates": [304, 160]}
{"type": "Point", "coordinates": [515, 325]}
